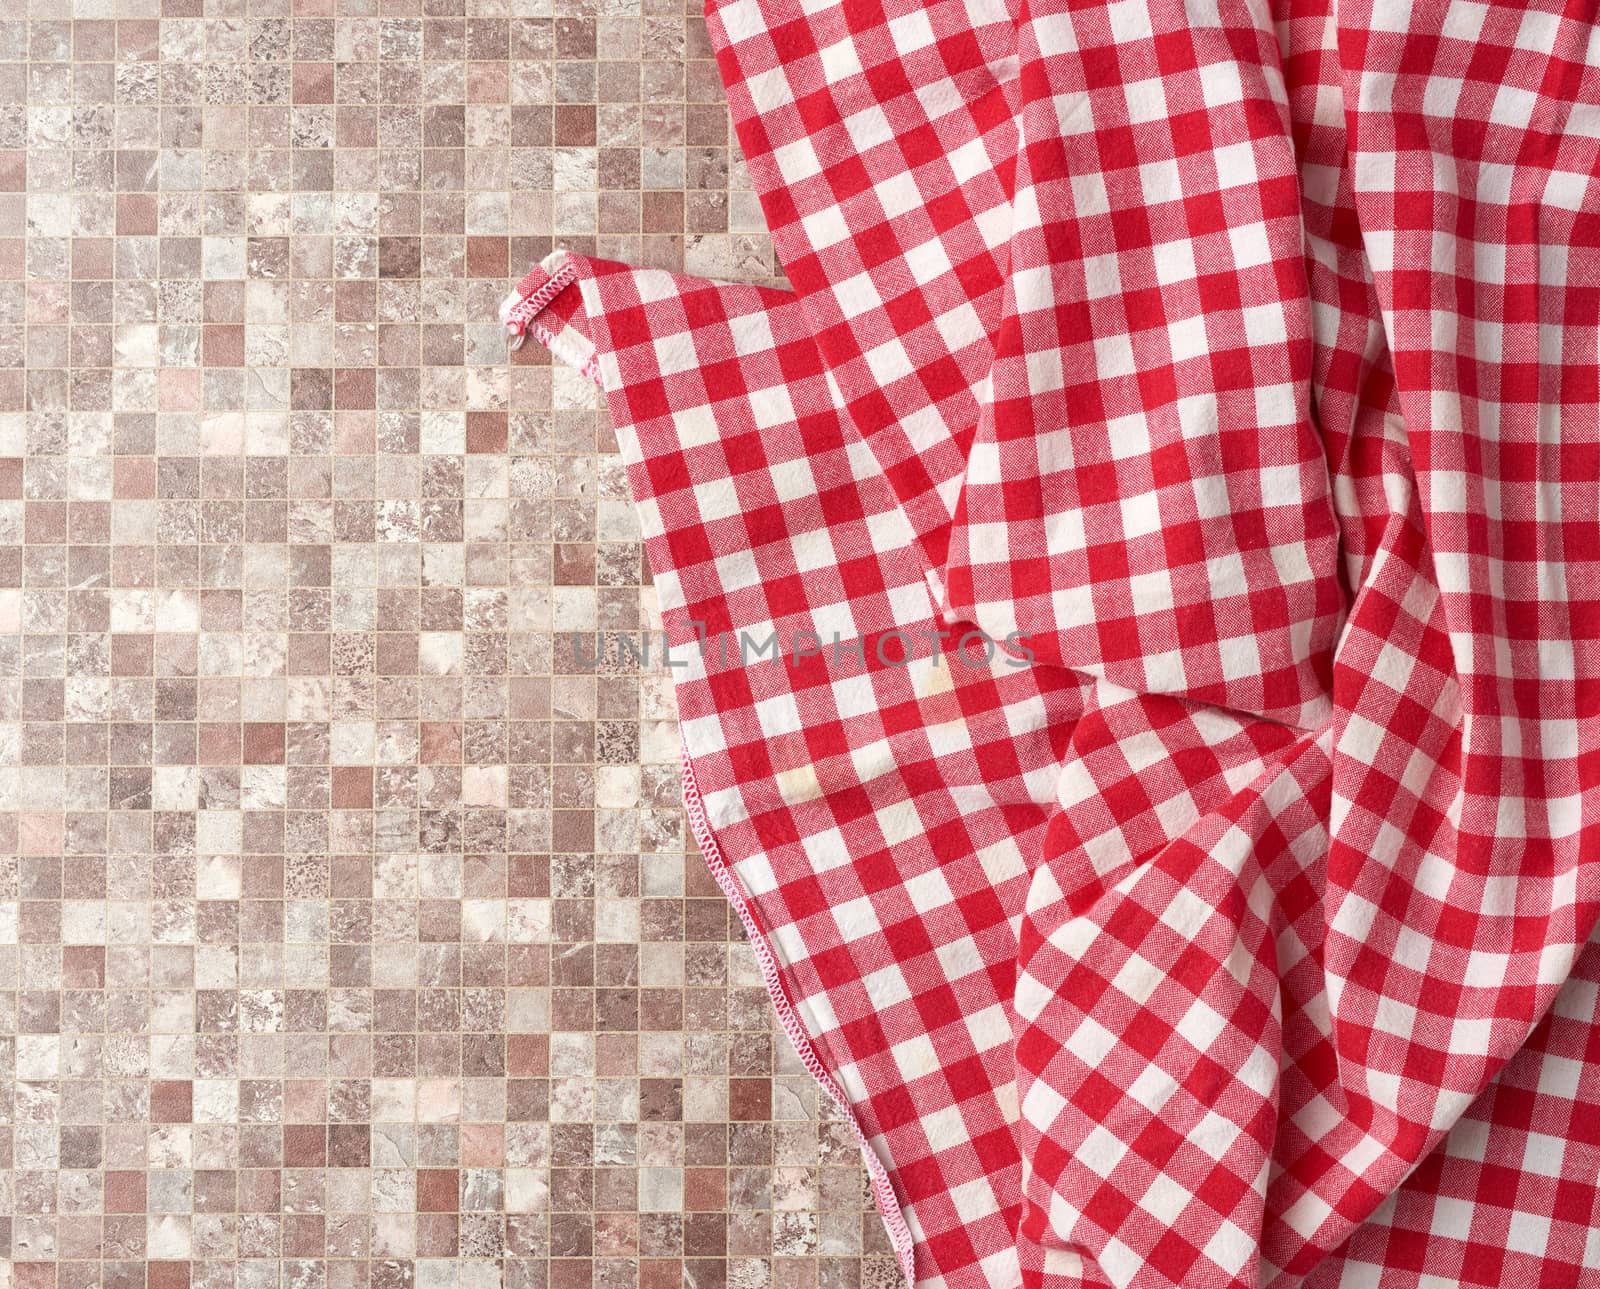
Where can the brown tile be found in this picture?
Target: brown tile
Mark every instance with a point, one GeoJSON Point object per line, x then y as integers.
{"type": "Point", "coordinates": [574, 563]}
{"type": "Point", "coordinates": [171, 1101]}
{"type": "Point", "coordinates": [305, 1145]}
{"type": "Point", "coordinates": [311, 389]}
{"type": "Point", "coordinates": [438, 1235]}
{"type": "Point", "coordinates": [313, 82]}
{"type": "Point", "coordinates": [349, 1145]}
{"type": "Point", "coordinates": [167, 1275]}
{"type": "Point", "coordinates": [125, 1191]}
{"type": "Point", "coordinates": [486, 432]}
{"type": "Point", "coordinates": [134, 478]}
{"type": "Point", "coordinates": [355, 388]}
{"type": "Point", "coordinates": [488, 257]}
{"type": "Point", "coordinates": [92, 258]}
{"type": "Point", "coordinates": [263, 743]}
{"type": "Point", "coordinates": [223, 346]}
{"type": "Point", "coordinates": [437, 1190]}
{"type": "Point", "coordinates": [399, 257]}
{"type": "Point", "coordinates": [83, 966]}
{"type": "Point", "coordinates": [352, 787]}
{"type": "Point", "coordinates": [136, 214]}
{"type": "Point", "coordinates": [440, 742]}
{"type": "Point", "coordinates": [575, 125]}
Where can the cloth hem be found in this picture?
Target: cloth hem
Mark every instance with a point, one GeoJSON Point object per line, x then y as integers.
{"type": "Point", "coordinates": [882, 1188]}
{"type": "Point", "coordinates": [519, 311]}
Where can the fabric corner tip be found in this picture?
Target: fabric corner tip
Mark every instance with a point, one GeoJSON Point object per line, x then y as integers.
{"type": "Point", "coordinates": [566, 334]}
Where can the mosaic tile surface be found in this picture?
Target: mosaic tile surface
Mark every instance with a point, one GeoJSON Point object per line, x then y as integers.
{"type": "Point", "coordinates": [348, 933]}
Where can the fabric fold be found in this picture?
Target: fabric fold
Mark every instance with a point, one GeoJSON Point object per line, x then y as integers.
{"type": "Point", "coordinates": [1166, 501]}
{"type": "Point", "coordinates": [867, 793]}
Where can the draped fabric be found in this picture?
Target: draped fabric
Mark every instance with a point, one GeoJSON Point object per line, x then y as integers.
{"type": "Point", "coordinates": [1166, 814]}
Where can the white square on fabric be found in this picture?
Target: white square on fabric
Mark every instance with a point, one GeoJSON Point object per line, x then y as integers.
{"type": "Point", "coordinates": [959, 326]}
{"type": "Point", "coordinates": [1102, 279]}
{"type": "Point", "coordinates": [1563, 189]}
{"type": "Point", "coordinates": [928, 891]}
{"type": "Point", "coordinates": [1237, 167]}
{"type": "Point", "coordinates": [868, 128]}
{"type": "Point", "coordinates": [1542, 1154]}
{"type": "Point", "coordinates": [1250, 244]}
{"type": "Point", "coordinates": [915, 1057]}
{"type": "Point", "coordinates": [1055, 36]}
{"type": "Point", "coordinates": [696, 426]}
{"type": "Point", "coordinates": [1161, 181]}
{"type": "Point", "coordinates": [1230, 1248]}
{"type": "Point", "coordinates": [969, 160]}
{"type": "Point", "coordinates": [1101, 1151]}
{"type": "Point", "coordinates": [1089, 195]}
{"type": "Point", "coordinates": [1166, 1199]}
{"type": "Point", "coordinates": [1528, 1233]}
{"type": "Point", "coordinates": [1141, 514]}
{"type": "Point", "coordinates": [899, 823]}
{"type": "Point", "coordinates": [1151, 592]}
{"type": "Point", "coordinates": [797, 161]}
{"type": "Point", "coordinates": [1187, 338]}
{"type": "Point", "coordinates": [1175, 262]}
{"type": "Point", "coordinates": [1163, 670]}
{"type": "Point", "coordinates": [772, 406]}
{"type": "Point", "coordinates": [886, 987]}
{"type": "Point", "coordinates": [1220, 84]}
{"type": "Point", "coordinates": [840, 60]}
{"type": "Point", "coordinates": [1277, 405]}
{"type": "Point", "coordinates": [889, 362]}
{"type": "Point", "coordinates": [1044, 370]}
{"type": "Point", "coordinates": [1513, 106]}
{"type": "Point", "coordinates": [1130, 21]}
{"type": "Point", "coordinates": [1559, 1076]}
{"type": "Point", "coordinates": [738, 570]}
{"type": "Point", "coordinates": [1064, 532]}
{"type": "Point", "coordinates": [1264, 324]}
{"type": "Point", "coordinates": [1113, 356]}
{"type": "Point", "coordinates": [1091, 1042]}
{"type": "Point", "coordinates": [824, 850]}
{"type": "Point", "coordinates": [826, 227]}
{"type": "Point", "coordinates": [1147, 100]}
{"type": "Point", "coordinates": [1239, 656]}
{"type": "Point", "coordinates": [1042, 1105]}
{"type": "Point", "coordinates": [927, 260]}
{"type": "Point", "coordinates": [1281, 485]}
{"type": "Point", "coordinates": [717, 499]}
{"type": "Point", "coordinates": [911, 31]}
{"type": "Point", "coordinates": [779, 714]}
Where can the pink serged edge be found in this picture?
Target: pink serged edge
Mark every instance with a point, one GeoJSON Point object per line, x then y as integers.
{"type": "Point", "coordinates": [520, 320]}
{"type": "Point", "coordinates": [882, 1188]}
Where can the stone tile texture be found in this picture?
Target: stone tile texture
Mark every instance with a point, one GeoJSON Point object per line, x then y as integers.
{"type": "Point", "coordinates": [350, 933]}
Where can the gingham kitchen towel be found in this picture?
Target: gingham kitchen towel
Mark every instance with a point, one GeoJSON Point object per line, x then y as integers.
{"type": "Point", "coordinates": [1166, 816]}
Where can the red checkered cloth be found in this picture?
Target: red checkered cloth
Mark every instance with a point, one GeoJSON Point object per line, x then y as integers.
{"type": "Point", "coordinates": [1172, 495]}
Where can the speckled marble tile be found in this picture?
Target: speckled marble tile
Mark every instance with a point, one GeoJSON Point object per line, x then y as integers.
{"type": "Point", "coordinates": [350, 934]}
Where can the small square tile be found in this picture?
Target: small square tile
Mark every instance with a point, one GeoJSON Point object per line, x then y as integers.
{"type": "Point", "coordinates": [171, 1101]}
